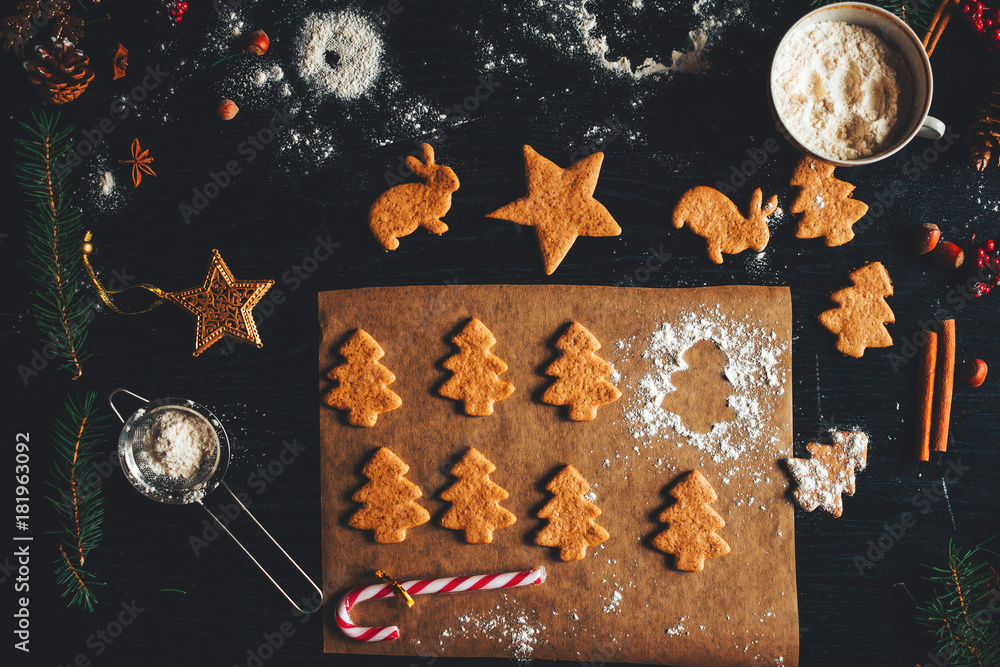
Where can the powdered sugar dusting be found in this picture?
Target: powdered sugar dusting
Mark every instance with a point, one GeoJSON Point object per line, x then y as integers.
{"type": "Point", "coordinates": [577, 30]}
{"type": "Point", "coordinates": [752, 367]}
{"type": "Point", "coordinates": [821, 480]}
{"type": "Point", "coordinates": [347, 39]}
{"type": "Point", "coordinates": [677, 629]}
{"type": "Point", "coordinates": [107, 183]}
{"type": "Point", "coordinates": [513, 630]}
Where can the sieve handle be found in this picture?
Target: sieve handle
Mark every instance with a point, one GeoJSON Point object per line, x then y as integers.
{"type": "Point", "coordinates": [111, 400]}
{"type": "Point", "coordinates": [266, 573]}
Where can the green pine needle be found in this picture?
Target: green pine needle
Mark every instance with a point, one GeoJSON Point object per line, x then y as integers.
{"type": "Point", "coordinates": [963, 615]}
{"type": "Point", "coordinates": [76, 495]}
{"type": "Point", "coordinates": [918, 13]}
{"type": "Point", "coordinates": [54, 234]}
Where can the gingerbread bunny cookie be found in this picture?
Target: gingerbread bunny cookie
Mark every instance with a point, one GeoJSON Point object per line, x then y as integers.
{"type": "Point", "coordinates": [711, 214]}
{"type": "Point", "coordinates": [402, 208]}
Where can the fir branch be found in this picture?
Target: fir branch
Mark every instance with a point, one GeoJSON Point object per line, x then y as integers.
{"type": "Point", "coordinates": [76, 496]}
{"type": "Point", "coordinates": [54, 235]}
{"type": "Point", "coordinates": [964, 614]}
{"type": "Point", "coordinates": [918, 13]}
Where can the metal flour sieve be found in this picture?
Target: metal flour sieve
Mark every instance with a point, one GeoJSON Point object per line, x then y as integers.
{"type": "Point", "coordinates": [139, 464]}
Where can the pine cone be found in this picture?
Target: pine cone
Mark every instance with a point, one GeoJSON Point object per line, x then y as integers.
{"type": "Point", "coordinates": [984, 132]}
{"type": "Point", "coordinates": [59, 71]}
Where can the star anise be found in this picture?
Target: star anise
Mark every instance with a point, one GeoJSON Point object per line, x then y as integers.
{"type": "Point", "coordinates": [120, 62]}
{"type": "Point", "coordinates": [140, 163]}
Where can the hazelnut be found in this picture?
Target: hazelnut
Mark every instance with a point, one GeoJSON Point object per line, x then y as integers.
{"type": "Point", "coordinates": [925, 237]}
{"type": "Point", "coordinates": [228, 109]}
{"type": "Point", "coordinates": [949, 255]}
{"type": "Point", "coordinates": [973, 372]}
{"type": "Point", "coordinates": [258, 43]}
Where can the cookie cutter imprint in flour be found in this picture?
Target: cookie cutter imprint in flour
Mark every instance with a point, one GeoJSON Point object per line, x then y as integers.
{"type": "Point", "coordinates": [136, 464]}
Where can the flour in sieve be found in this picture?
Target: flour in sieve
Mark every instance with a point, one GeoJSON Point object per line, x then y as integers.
{"type": "Point", "coordinates": [178, 442]}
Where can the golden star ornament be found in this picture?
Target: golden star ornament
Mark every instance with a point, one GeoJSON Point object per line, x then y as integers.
{"type": "Point", "coordinates": [560, 205]}
{"type": "Point", "coordinates": [223, 305]}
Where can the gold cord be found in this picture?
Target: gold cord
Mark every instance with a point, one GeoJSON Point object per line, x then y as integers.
{"type": "Point", "coordinates": [398, 592]}
{"type": "Point", "coordinates": [105, 294]}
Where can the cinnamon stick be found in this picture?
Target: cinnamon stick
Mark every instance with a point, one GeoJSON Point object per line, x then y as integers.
{"type": "Point", "coordinates": [945, 386]}
{"type": "Point", "coordinates": [928, 360]}
{"type": "Point", "coordinates": [938, 24]}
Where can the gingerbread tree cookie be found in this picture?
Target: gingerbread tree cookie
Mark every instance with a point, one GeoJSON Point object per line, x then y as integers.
{"type": "Point", "coordinates": [476, 371]}
{"type": "Point", "coordinates": [389, 499]}
{"type": "Point", "coordinates": [580, 372]}
{"type": "Point", "coordinates": [402, 208]}
{"type": "Point", "coordinates": [691, 524]}
{"type": "Point", "coordinates": [362, 387]}
{"type": "Point", "coordinates": [560, 205]}
{"type": "Point", "coordinates": [710, 214]}
{"type": "Point", "coordinates": [702, 378]}
{"type": "Point", "coordinates": [822, 479]}
{"type": "Point", "coordinates": [826, 204]}
{"type": "Point", "coordinates": [860, 317]}
{"type": "Point", "coordinates": [571, 525]}
{"type": "Point", "coordinates": [475, 500]}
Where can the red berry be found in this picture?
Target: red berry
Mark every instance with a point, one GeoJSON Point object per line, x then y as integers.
{"type": "Point", "coordinates": [977, 23]}
{"type": "Point", "coordinates": [977, 8]}
{"type": "Point", "coordinates": [988, 23]}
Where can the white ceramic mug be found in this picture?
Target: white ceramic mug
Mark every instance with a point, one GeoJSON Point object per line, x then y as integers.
{"type": "Point", "coordinates": [904, 41]}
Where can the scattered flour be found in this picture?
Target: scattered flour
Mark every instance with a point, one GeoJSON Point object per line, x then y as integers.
{"type": "Point", "coordinates": [511, 629]}
{"type": "Point", "coordinates": [614, 603]}
{"type": "Point", "coordinates": [272, 75]}
{"type": "Point", "coordinates": [752, 367]}
{"type": "Point", "coordinates": [572, 28]}
{"type": "Point", "coordinates": [107, 183]}
{"type": "Point", "coordinates": [677, 629]}
{"type": "Point", "coordinates": [340, 54]}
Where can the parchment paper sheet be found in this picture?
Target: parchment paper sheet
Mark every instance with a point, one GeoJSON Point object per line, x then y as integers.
{"type": "Point", "coordinates": [624, 602]}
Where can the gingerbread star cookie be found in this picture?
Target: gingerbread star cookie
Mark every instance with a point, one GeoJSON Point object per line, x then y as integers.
{"type": "Point", "coordinates": [560, 205]}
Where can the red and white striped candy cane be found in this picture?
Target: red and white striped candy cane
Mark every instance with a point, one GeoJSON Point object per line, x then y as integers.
{"type": "Point", "coordinates": [477, 582]}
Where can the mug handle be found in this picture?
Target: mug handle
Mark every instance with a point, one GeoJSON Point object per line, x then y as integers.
{"type": "Point", "coordinates": [932, 128]}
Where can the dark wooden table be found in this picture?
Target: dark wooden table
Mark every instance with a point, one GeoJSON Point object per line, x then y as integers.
{"type": "Point", "coordinates": [214, 607]}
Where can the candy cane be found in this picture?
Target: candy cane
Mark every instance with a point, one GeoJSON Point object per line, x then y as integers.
{"type": "Point", "coordinates": [476, 582]}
